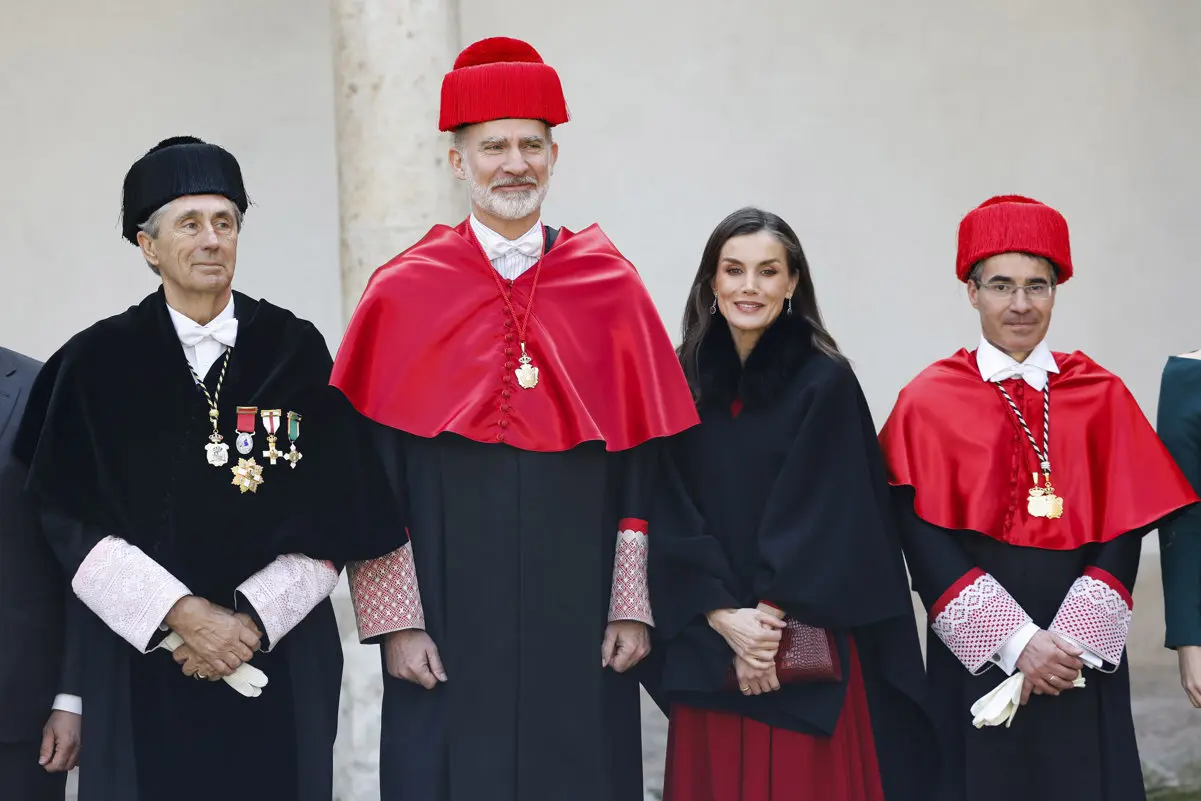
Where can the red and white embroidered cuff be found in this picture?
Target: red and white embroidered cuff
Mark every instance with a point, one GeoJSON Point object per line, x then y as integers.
{"type": "Point", "coordinates": [1096, 615]}
{"type": "Point", "coordinates": [630, 599]}
{"type": "Point", "coordinates": [127, 590]}
{"type": "Point", "coordinates": [975, 617]}
{"type": "Point", "coordinates": [385, 594]}
{"type": "Point", "coordinates": [285, 591]}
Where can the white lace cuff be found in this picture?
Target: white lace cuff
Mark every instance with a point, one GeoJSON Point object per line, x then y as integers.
{"type": "Point", "coordinates": [630, 599]}
{"type": "Point", "coordinates": [1096, 615]}
{"type": "Point", "coordinates": [127, 590]}
{"type": "Point", "coordinates": [385, 594]}
{"type": "Point", "coordinates": [285, 591]}
{"type": "Point", "coordinates": [975, 617]}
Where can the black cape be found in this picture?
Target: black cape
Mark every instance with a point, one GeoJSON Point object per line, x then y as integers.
{"type": "Point", "coordinates": [787, 502]}
{"type": "Point", "coordinates": [114, 438]}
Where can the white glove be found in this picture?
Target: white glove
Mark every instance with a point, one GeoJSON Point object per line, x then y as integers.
{"type": "Point", "coordinates": [246, 679]}
{"type": "Point", "coordinates": [1001, 705]}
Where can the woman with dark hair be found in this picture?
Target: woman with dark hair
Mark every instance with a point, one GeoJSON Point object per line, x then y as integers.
{"type": "Point", "coordinates": [789, 665]}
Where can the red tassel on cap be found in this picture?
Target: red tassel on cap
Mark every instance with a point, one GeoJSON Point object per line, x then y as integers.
{"type": "Point", "coordinates": [1014, 224]}
{"type": "Point", "coordinates": [501, 78]}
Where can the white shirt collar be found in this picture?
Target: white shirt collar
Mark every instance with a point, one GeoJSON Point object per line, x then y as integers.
{"type": "Point", "coordinates": [204, 344]}
{"type": "Point", "coordinates": [996, 365]}
{"type": "Point", "coordinates": [496, 246]}
{"type": "Point", "coordinates": [183, 323]}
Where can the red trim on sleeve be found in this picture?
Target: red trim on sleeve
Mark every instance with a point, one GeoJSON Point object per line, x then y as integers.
{"type": "Point", "coordinates": [632, 524]}
{"type": "Point", "coordinates": [1117, 586]}
{"type": "Point", "coordinates": [736, 407]}
{"type": "Point", "coordinates": [952, 592]}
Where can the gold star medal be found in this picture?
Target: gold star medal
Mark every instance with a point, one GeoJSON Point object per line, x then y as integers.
{"type": "Point", "coordinates": [248, 475]}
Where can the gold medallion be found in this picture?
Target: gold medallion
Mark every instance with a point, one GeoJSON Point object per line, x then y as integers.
{"type": "Point", "coordinates": [248, 475]}
{"type": "Point", "coordinates": [527, 374]}
{"type": "Point", "coordinates": [1042, 501]}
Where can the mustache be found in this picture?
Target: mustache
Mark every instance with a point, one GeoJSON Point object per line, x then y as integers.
{"type": "Point", "coordinates": [528, 181]}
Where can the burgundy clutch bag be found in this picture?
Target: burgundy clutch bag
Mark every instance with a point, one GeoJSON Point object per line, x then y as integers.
{"type": "Point", "coordinates": [806, 654]}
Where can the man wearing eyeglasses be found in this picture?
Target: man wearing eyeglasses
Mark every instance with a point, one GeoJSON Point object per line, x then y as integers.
{"type": "Point", "coordinates": [1025, 479]}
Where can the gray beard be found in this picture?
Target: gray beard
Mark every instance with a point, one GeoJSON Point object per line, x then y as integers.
{"type": "Point", "coordinates": [509, 206]}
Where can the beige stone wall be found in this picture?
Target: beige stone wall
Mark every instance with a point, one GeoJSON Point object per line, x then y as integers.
{"type": "Point", "coordinates": [86, 89]}
{"type": "Point", "coordinates": [393, 179]}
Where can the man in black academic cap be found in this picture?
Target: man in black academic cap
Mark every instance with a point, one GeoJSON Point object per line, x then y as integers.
{"type": "Point", "coordinates": [176, 544]}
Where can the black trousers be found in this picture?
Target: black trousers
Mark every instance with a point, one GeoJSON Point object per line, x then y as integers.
{"type": "Point", "coordinates": [23, 779]}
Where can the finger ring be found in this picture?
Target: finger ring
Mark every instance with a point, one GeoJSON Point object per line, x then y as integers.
{"type": "Point", "coordinates": [201, 676]}
{"type": "Point", "coordinates": [744, 689]}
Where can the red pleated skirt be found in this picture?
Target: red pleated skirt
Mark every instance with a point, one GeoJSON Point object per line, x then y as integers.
{"type": "Point", "coordinates": [720, 756]}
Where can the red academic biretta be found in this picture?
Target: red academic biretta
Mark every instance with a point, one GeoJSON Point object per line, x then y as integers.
{"type": "Point", "coordinates": [501, 78]}
{"type": "Point", "coordinates": [1012, 223]}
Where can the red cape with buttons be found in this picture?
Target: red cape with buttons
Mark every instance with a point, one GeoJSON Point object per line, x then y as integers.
{"type": "Point", "coordinates": [954, 439]}
{"type": "Point", "coordinates": [432, 348]}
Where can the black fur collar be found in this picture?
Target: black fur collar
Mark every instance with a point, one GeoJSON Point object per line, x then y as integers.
{"type": "Point", "coordinates": [768, 369]}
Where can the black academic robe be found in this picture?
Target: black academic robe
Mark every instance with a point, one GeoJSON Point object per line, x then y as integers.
{"type": "Point", "coordinates": [513, 500]}
{"type": "Point", "coordinates": [115, 439]}
{"type": "Point", "coordinates": [515, 578]}
{"type": "Point", "coordinates": [780, 496]}
{"type": "Point", "coordinates": [962, 467]}
{"type": "Point", "coordinates": [1081, 742]}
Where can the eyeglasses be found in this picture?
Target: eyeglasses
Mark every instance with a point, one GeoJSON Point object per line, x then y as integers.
{"type": "Point", "coordinates": [1006, 290]}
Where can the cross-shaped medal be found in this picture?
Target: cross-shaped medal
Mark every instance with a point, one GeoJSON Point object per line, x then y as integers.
{"type": "Point", "coordinates": [271, 453]}
{"type": "Point", "coordinates": [293, 456]}
{"type": "Point", "coordinates": [271, 422]}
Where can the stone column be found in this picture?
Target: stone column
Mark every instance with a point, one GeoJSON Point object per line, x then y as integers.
{"type": "Point", "coordinates": [393, 184]}
{"type": "Point", "coordinates": [393, 179]}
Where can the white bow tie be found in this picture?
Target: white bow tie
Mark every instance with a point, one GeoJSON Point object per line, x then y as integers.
{"type": "Point", "coordinates": [225, 332]}
{"type": "Point", "coordinates": [531, 247]}
{"type": "Point", "coordinates": [1031, 374]}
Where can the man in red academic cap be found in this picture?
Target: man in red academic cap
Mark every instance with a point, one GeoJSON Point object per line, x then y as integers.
{"type": "Point", "coordinates": [1027, 478]}
{"type": "Point", "coordinates": [520, 378]}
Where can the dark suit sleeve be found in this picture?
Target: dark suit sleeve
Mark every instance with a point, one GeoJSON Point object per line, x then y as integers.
{"type": "Point", "coordinates": [71, 681]}
{"type": "Point", "coordinates": [1179, 426]}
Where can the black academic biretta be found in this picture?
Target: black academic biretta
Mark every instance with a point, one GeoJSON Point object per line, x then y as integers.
{"type": "Point", "coordinates": [181, 165]}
